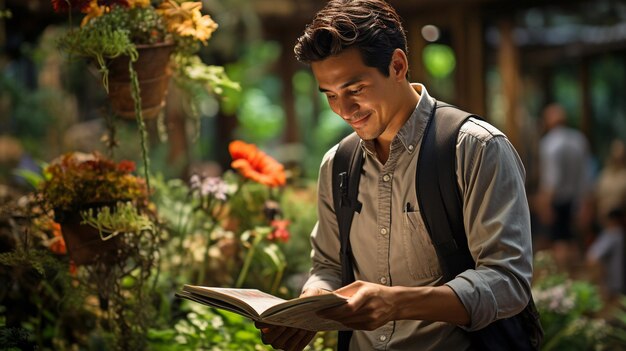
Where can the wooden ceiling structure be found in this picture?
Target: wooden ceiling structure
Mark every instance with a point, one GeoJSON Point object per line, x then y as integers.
{"type": "Point", "coordinates": [482, 33]}
{"type": "Point", "coordinates": [466, 22]}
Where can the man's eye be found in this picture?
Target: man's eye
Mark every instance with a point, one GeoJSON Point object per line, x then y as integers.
{"type": "Point", "coordinates": [356, 91]}
{"type": "Point", "coordinates": [330, 97]}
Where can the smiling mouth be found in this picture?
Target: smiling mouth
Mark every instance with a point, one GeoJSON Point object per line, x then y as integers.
{"type": "Point", "coordinates": [359, 121]}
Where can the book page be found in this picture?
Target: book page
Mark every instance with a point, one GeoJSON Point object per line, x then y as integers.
{"type": "Point", "coordinates": [260, 306]}
{"type": "Point", "coordinates": [301, 313]}
{"type": "Point", "coordinates": [253, 301]}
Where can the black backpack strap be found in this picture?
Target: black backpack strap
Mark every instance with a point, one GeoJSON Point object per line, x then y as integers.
{"type": "Point", "coordinates": [346, 173]}
{"type": "Point", "coordinates": [441, 207]}
{"type": "Point", "coordinates": [436, 182]}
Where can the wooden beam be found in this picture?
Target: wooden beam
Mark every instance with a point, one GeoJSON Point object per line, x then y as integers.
{"type": "Point", "coordinates": [508, 62]}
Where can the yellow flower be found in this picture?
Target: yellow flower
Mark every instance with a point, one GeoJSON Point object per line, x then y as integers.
{"type": "Point", "coordinates": [187, 20]}
{"type": "Point", "coordinates": [138, 3]}
{"type": "Point", "coordinates": [92, 11]}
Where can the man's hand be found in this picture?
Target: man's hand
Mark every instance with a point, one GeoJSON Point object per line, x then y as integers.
{"type": "Point", "coordinates": [285, 338]}
{"type": "Point", "coordinates": [369, 306]}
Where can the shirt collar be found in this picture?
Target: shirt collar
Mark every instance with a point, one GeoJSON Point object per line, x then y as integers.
{"type": "Point", "coordinates": [411, 132]}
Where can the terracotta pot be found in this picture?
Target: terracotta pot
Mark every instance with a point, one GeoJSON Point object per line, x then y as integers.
{"type": "Point", "coordinates": [83, 242]}
{"type": "Point", "coordinates": [153, 72]}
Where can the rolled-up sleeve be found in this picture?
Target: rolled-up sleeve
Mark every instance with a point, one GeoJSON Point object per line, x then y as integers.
{"type": "Point", "coordinates": [497, 223]}
{"type": "Point", "coordinates": [326, 263]}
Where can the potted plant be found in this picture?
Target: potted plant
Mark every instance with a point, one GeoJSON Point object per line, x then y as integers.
{"type": "Point", "coordinates": [137, 45]}
{"type": "Point", "coordinates": [94, 200]}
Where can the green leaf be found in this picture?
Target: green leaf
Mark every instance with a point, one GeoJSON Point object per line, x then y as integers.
{"type": "Point", "coordinates": [32, 178]}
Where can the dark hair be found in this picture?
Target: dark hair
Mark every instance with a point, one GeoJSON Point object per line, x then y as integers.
{"type": "Point", "coordinates": [372, 26]}
{"type": "Point", "coordinates": [616, 214]}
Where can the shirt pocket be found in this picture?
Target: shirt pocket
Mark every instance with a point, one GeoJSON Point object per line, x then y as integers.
{"type": "Point", "coordinates": [419, 253]}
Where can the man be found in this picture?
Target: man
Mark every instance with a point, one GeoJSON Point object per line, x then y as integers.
{"type": "Point", "coordinates": [357, 52]}
{"type": "Point", "coordinates": [564, 182]}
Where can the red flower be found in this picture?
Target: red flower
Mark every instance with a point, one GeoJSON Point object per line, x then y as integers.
{"type": "Point", "coordinates": [69, 5]}
{"type": "Point", "coordinates": [73, 268]}
{"type": "Point", "coordinates": [254, 164]}
{"type": "Point", "coordinates": [126, 166]}
{"type": "Point", "coordinates": [280, 231]}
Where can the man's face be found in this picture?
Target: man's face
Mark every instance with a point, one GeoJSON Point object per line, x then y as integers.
{"type": "Point", "coordinates": [359, 94]}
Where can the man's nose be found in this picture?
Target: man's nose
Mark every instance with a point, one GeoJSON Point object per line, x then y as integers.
{"type": "Point", "coordinates": [347, 108]}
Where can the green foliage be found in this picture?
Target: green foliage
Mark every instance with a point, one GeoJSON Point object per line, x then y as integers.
{"type": "Point", "coordinates": [40, 260]}
{"type": "Point", "coordinates": [40, 297]}
{"type": "Point", "coordinates": [439, 60]}
{"type": "Point", "coordinates": [258, 106]}
{"type": "Point", "coordinates": [299, 206]}
{"type": "Point", "coordinates": [197, 80]}
{"type": "Point", "coordinates": [191, 70]}
{"type": "Point", "coordinates": [261, 119]}
{"type": "Point", "coordinates": [33, 179]}
{"type": "Point", "coordinates": [567, 309]}
{"type": "Point", "coordinates": [104, 38]}
{"type": "Point", "coordinates": [616, 340]}
{"type": "Point", "coordinates": [6, 14]}
{"type": "Point", "coordinates": [34, 113]}
{"type": "Point", "coordinates": [122, 218]}
{"type": "Point", "coordinates": [208, 329]}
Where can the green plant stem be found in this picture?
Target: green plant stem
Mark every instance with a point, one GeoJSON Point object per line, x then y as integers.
{"type": "Point", "coordinates": [206, 253]}
{"type": "Point", "coordinates": [277, 278]}
{"type": "Point", "coordinates": [184, 219]}
{"type": "Point", "coordinates": [143, 134]}
{"type": "Point", "coordinates": [554, 341]}
{"type": "Point", "coordinates": [216, 219]}
{"type": "Point", "coordinates": [246, 264]}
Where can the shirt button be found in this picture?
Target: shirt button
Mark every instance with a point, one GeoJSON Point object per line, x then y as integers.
{"type": "Point", "coordinates": [411, 147]}
{"type": "Point", "coordinates": [383, 280]}
{"type": "Point", "coordinates": [382, 338]}
{"type": "Point", "coordinates": [383, 231]}
{"type": "Point", "coordinates": [386, 177]}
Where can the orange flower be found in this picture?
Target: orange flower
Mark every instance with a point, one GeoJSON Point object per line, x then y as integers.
{"type": "Point", "coordinates": [57, 244]}
{"type": "Point", "coordinates": [254, 164]}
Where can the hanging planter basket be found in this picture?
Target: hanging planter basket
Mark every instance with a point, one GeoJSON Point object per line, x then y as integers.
{"type": "Point", "coordinates": [152, 67]}
{"type": "Point", "coordinates": [84, 243]}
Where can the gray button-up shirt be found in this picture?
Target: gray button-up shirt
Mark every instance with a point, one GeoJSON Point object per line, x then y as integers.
{"type": "Point", "coordinates": [392, 247]}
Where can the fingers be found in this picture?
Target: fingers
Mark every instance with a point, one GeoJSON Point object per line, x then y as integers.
{"type": "Point", "coordinates": [314, 292]}
{"type": "Point", "coordinates": [305, 339]}
{"type": "Point", "coordinates": [290, 340]}
{"type": "Point", "coordinates": [284, 338]}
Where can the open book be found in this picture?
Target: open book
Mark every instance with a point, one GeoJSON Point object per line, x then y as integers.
{"type": "Point", "coordinates": [266, 308]}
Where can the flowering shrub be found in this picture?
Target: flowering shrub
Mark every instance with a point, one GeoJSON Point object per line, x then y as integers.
{"type": "Point", "coordinates": [141, 22]}
{"type": "Point", "coordinates": [241, 222]}
{"type": "Point", "coordinates": [567, 309]}
{"type": "Point", "coordinates": [77, 179]}
{"type": "Point", "coordinates": [112, 28]}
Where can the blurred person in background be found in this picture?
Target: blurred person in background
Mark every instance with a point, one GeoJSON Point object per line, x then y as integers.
{"type": "Point", "coordinates": [564, 182]}
{"type": "Point", "coordinates": [605, 257]}
{"type": "Point", "coordinates": [610, 190]}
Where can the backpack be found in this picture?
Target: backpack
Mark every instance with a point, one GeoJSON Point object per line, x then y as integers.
{"type": "Point", "coordinates": [443, 217]}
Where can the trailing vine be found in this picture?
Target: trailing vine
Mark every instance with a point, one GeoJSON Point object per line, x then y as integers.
{"type": "Point", "coordinates": [143, 133]}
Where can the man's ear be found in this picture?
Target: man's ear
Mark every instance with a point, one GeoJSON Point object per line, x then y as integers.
{"type": "Point", "coordinates": [399, 65]}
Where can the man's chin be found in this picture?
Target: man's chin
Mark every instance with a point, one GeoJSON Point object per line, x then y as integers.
{"type": "Point", "coordinates": [365, 135]}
